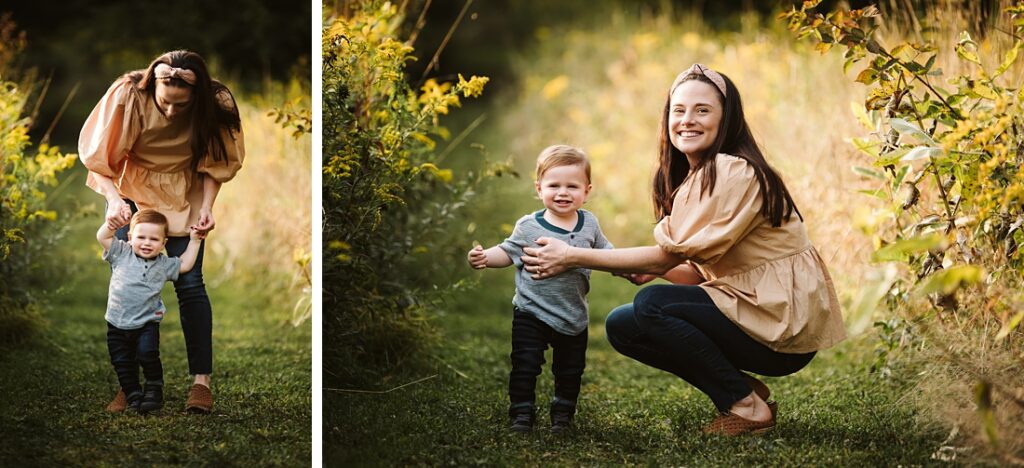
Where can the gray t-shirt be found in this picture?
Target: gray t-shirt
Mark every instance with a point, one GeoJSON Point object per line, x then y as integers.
{"type": "Point", "coordinates": [559, 301]}
{"type": "Point", "coordinates": [135, 284]}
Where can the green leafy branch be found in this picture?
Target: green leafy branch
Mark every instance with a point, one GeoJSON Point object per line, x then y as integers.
{"type": "Point", "coordinates": [967, 134]}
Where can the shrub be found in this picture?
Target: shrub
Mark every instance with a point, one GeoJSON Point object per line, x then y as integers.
{"type": "Point", "coordinates": [947, 149]}
{"type": "Point", "coordinates": [27, 228]}
{"type": "Point", "coordinates": [388, 206]}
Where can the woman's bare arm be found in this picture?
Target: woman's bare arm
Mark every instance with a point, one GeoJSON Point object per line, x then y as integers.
{"type": "Point", "coordinates": [211, 187]}
{"type": "Point", "coordinates": [683, 274]}
{"type": "Point", "coordinates": [554, 256]}
{"type": "Point", "coordinates": [118, 212]}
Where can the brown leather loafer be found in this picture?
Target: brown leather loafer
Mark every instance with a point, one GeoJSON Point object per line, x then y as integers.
{"type": "Point", "coordinates": [732, 425]}
{"type": "Point", "coordinates": [200, 400]}
{"type": "Point", "coordinates": [119, 403]}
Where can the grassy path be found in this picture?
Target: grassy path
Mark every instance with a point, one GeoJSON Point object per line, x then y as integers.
{"type": "Point", "coordinates": [56, 386]}
{"type": "Point", "coordinates": [832, 413]}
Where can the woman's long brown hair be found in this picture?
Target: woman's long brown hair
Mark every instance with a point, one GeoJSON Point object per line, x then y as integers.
{"type": "Point", "coordinates": [734, 138]}
{"type": "Point", "coordinates": [208, 116]}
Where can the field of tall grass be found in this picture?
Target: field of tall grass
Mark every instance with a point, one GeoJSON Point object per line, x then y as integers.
{"type": "Point", "coordinates": [797, 101]}
{"type": "Point", "coordinates": [602, 87]}
{"type": "Point", "coordinates": [264, 216]}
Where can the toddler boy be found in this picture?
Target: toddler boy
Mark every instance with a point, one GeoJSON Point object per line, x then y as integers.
{"type": "Point", "coordinates": [552, 311]}
{"type": "Point", "coordinates": [139, 270]}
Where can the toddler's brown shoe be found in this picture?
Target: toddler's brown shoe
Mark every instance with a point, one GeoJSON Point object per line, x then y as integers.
{"type": "Point", "coordinates": [118, 404]}
{"type": "Point", "coordinates": [200, 400]}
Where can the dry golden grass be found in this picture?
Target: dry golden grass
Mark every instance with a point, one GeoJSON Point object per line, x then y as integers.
{"type": "Point", "coordinates": [798, 103]}
{"type": "Point", "coordinates": [264, 216]}
{"type": "Point", "coordinates": [947, 389]}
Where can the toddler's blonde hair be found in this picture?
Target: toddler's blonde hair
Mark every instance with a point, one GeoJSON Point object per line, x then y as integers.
{"type": "Point", "coordinates": [148, 216]}
{"type": "Point", "coordinates": [562, 155]}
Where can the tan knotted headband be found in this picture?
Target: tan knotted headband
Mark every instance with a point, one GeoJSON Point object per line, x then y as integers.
{"type": "Point", "coordinates": [699, 69]}
{"type": "Point", "coordinates": [164, 71]}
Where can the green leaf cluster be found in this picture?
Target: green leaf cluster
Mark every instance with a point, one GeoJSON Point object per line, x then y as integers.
{"type": "Point", "coordinates": [390, 207]}
{"type": "Point", "coordinates": [293, 115]}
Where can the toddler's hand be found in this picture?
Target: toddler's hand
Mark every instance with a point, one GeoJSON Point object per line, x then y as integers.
{"type": "Point", "coordinates": [195, 233]}
{"type": "Point", "coordinates": [477, 258]}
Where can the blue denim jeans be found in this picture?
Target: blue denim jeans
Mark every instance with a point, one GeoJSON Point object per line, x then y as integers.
{"type": "Point", "coordinates": [130, 349]}
{"type": "Point", "coordinates": [530, 338]}
{"type": "Point", "coordinates": [678, 329]}
{"type": "Point", "coordinates": [194, 304]}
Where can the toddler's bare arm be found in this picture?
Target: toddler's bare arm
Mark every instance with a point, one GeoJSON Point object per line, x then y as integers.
{"type": "Point", "coordinates": [105, 235]}
{"type": "Point", "coordinates": [188, 258]}
{"type": "Point", "coordinates": [493, 257]}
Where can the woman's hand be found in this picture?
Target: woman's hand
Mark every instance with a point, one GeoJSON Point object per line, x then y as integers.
{"type": "Point", "coordinates": [548, 260]}
{"type": "Point", "coordinates": [206, 221]}
{"type": "Point", "coordinates": [118, 213]}
{"type": "Point", "coordinates": [639, 278]}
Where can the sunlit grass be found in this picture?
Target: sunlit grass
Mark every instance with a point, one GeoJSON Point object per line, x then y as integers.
{"type": "Point", "coordinates": [833, 413]}
{"type": "Point", "coordinates": [56, 386]}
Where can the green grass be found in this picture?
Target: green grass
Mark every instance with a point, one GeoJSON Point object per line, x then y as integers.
{"type": "Point", "coordinates": [56, 385]}
{"type": "Point", "coordinates": [832, 413]}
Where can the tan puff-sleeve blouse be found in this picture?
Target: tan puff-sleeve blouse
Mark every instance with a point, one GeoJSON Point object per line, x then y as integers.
{"type": "Point", "coordinates": [769, 281]}
{"type": "Point", "coordinates": [149, 157]}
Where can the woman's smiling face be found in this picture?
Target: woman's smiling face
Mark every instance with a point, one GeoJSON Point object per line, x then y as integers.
{"type": "Point", "coordinates": [694, 114]}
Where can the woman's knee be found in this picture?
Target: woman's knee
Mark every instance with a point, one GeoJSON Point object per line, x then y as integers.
{"type": "Point", "coordinates": [647, 303]}
{"type": "Point", "coordinates": [620, 325]}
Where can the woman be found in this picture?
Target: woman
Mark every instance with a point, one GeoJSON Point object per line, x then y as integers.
{"type": "Point", "coordinates": [166, 138]}
{"type": "Point", "coordinates": [751, 293]}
